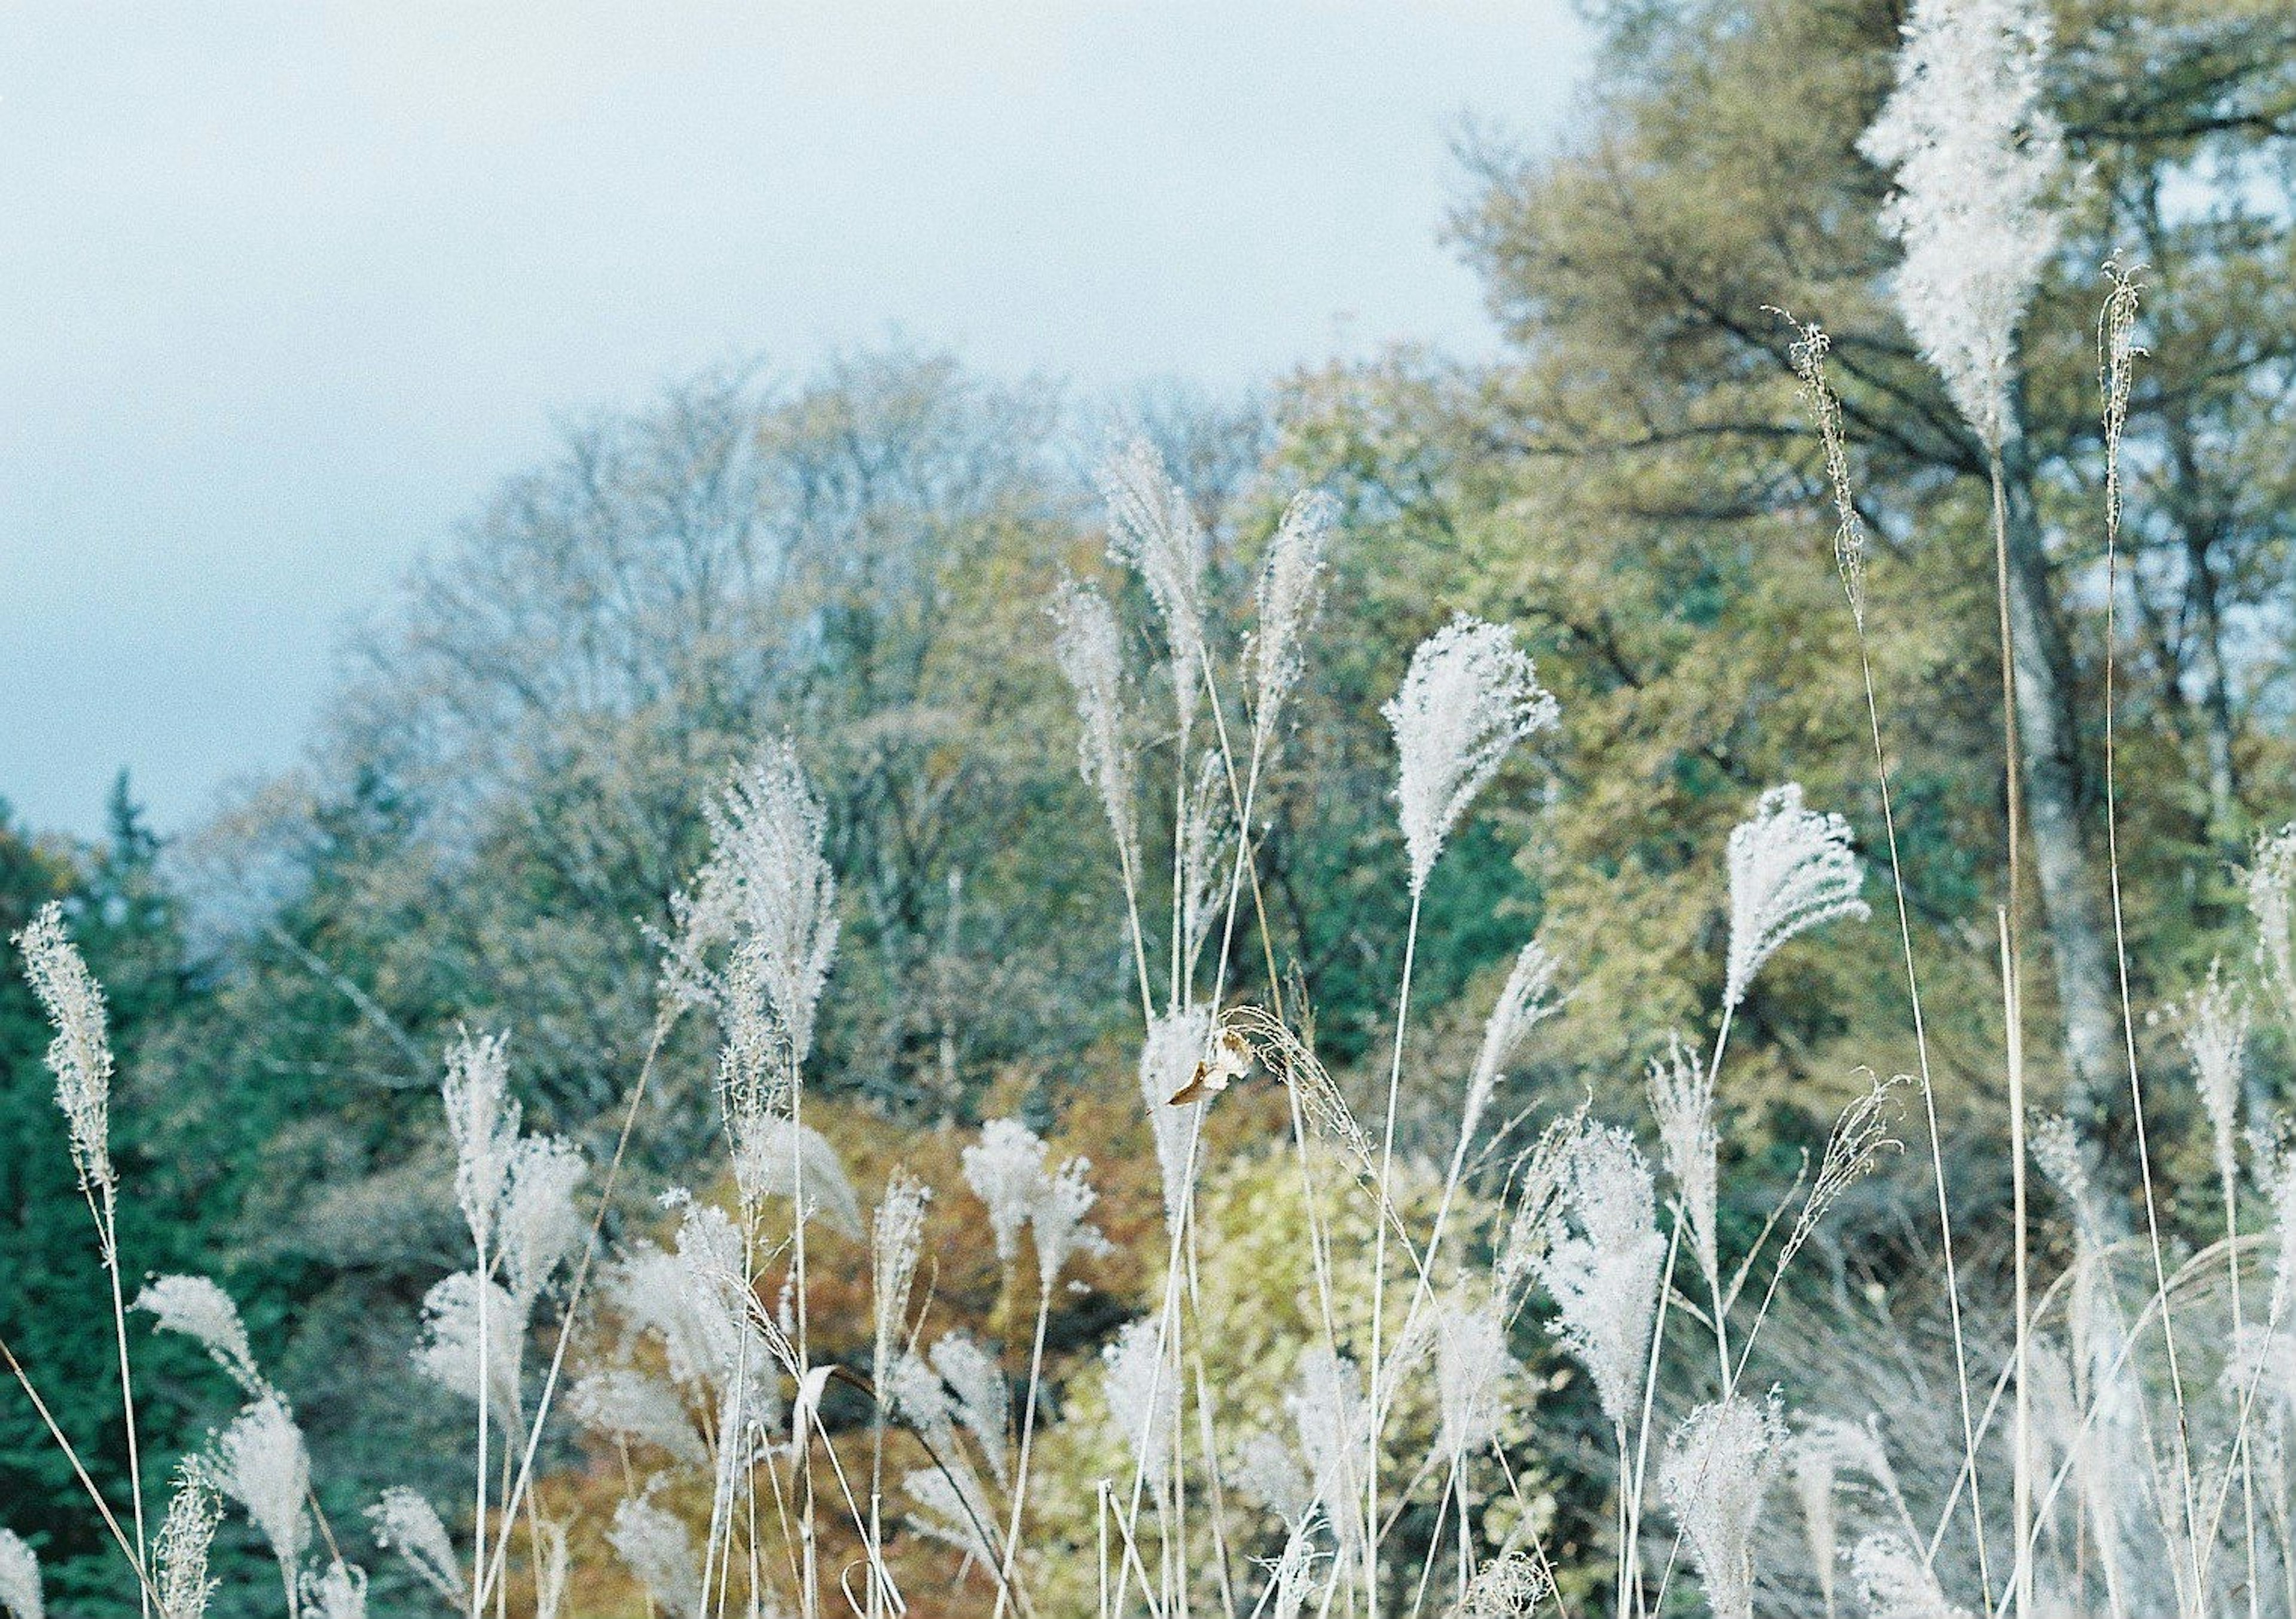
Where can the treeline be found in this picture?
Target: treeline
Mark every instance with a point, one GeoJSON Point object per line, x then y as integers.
{"type": "Point", "coordinates": [509, 783]}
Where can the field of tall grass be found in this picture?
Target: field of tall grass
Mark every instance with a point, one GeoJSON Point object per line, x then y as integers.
{"type": "Point", "coordinates": [1326, 1407]}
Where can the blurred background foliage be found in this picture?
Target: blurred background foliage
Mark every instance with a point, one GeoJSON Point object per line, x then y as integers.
{"type": "Point", "coordinates": [509, 782]}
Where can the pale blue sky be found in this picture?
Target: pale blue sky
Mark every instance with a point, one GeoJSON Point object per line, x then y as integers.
{"type": "Point", "coordinates": [285, 290]}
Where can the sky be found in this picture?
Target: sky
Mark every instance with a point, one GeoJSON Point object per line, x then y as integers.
{"type": "Point", "coordinates": [285, 291]}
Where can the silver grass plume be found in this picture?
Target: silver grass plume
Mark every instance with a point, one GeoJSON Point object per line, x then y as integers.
{"type": "Point", "coordinates": [1332, 1416]}
{"type": "Point", "coordinates": [405, 1523]}
{"type": "Point", "coordinates": [460, 1312]}
{"type": "Point", "coordinates": [1812, 1460]}
{"type": "Point", "coordinates": [654, 1544]}
{"type": "Point", "coordinates": [1527, 1000]}
{"type": "Point", "coordinates": [339, 1593]}
{"type": "Point", "coordinates": [202, 1312]}
{"type": "Point", "coordinates": [1169, 1052]}
{"type": "Point", "coordinates": [19, 1578]}
{"type": "Point", "coordinates": [2055, 1145]}
{"type": "Point", "coordinates": [1468, 698]}
{"type": "Point", "coordinates": [1285, 602]}
{"type": "Point", "coordinates": [952, 1511]}
{"type": "Point", "coordinates": [1719, 1465]}
{"type": "Point", "coordinates": [1896, 1583]}
{"type": "Point", "coordinates": [1153, 530]}
{"type": "Point", "coordinates": [1974, 155]}
{"type": "Point", "coordinates": [482, 1119]}
{"type": "Point", "coordinates": [2284, 1232]}
{"type": "Point", "coordinates": [623, 1404]}
{"type": "Point", "coordinates": [1602, 1262]}
{"type": "Point", "coordinates": [1140, 1387]}
{"type": "Point", "coordinates": [1471, 1368]}
{"type": "Point", "coordinates": [260, 1463]}
{"type": "Point", "coordinates": [1287, 1057]}
{"type": "Point", "coordinates": [1268, 1471]}
{"type": "Point", "coordinates": [983, 1400]}
{"type": "Point", "coordinates": [80, 1054]}
{"type": "Point", "coordinates": [1205, 842]}
{"type": "Point", "coordinates": [1538, 1174]}
{"type": "Point", "coordinates": [1681, 1096]}
{"type": "Point", "coordinates": [2212, 1025]}
{"type": "Point", "coordinates": [1791, 869]}
{"type": "Point", "coordinates": [1806, 354]}
{"type": "Point", "coordinates": [1006, 1170]}
{"type": "Point", "coordinates": [2272, 904]}
{"type": "Point", "coordinates": [1056, 1221]}
{"type": "Point", "coordinates": [1509, 1587]}
{"type": "Point", "coordinates": [897, 1240]}
{"type": "Point", "coordinates": [766, 1151]}
{"type": "Point", "coordinates": [1090, 652]}
{"type": "Point", "coordinates": [181, 1551]}
{"type": "Point", "coordinates": [1861, 1135]}
{"type": "Point", "coordinates": [766, 863]}
{"type": "Point", "coordinates": [539, 1226]}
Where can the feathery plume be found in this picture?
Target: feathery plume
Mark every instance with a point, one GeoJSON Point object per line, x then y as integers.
{"type": "Point", "coordinates": [2272, 903]}
{"type": "Point", "coordinates": [1471, 1367]}
{"type": "Point", "coordinates": [767, 832]}
{"type": "Point", "coordinates": [1861, 1135]}
{"type": "Point", "coordinates": [405, 1523]}
{"type": "Point", "coordinates": [1285, 601]}
{"type": "Point", "coordinates": [1602, 1262]}
{"type": "Point", "coordinates": [2212, 1025]}
{"type": "Point", "coordinates": [897, 1240]}
{"type": "Point", "coordinates": [1153, 530]}
{"type": "Point", "coordinates": [202, 1312]}
{"type": "Point", "coordinates": [1141, 1388]}
{"type": "Point", "coordinates": [1205, 841]}
{"type": "Point", "coordinates": [1974, 155]}
{"type": "Point", "coordinates": [194, 1512]}
{"type": "Point", "coordinates": [1268, 1471]}
{"type": "Point", "coordinates": [625, 1404]}
{"type": "Point", "coordinates": [540, 1227]}
{"type": "Point", "coordinates": [1527, 1001]}
{"type": "Point", "coordinates": [20, 1577]}
{"type": "Point", "coordinates": [261, 1464]}
{"type": "Point", "coordinates": [1468, 698]}
{"type": "Point", "coordinates": [1791, 869]}
{"type": "Point", "coordinates": [2054, 1143]}
{"type": "Point", "coordinates": [80, 1054]}
{"type": "Point", "coordinates": [1895, 1581]}
{"type": "Point", "coordinates": [1005, 1169]}
{"type": "Point", "coordinates": [1056, 1220]}
{"type": "Point", "coordinates": [952, 1511]}
{"type": "Point", "coordinates": [1719, 1465]}
{"type": "Point", "coordinates": [1508, 1587]}
{"type": "Point", "coordinates": [766, 1150]}
{"type": "Point", "coordinates": [1814, 1466]}
{"type": "Point", "coordinates": [1090, 652]}
{"type": "Point", "coordinates": [1681, 1096]}
{"type": "Point", "coordinates": [654, 1544]}
{"type": "Point", "coordinates": [339, 1593]}
{"type": "Point", "coordinates": [983, 1401]}
{"type": "Point", "coordinates": [1285, 1055]}
{"type": "Point", "coordinates": [1169, 1054]}
{"type": "Point", "coordinates": [482, 1119]}
{"type": "Point", "coordinates": [1332, 1416]}
{"type": "Point", "coordinates": [1806, 354]}
{"type": "Point", "coordinates": [447, 1352]}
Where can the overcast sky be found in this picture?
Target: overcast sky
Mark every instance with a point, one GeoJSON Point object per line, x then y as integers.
{"type": "Point", "coordinates": [285, 290]}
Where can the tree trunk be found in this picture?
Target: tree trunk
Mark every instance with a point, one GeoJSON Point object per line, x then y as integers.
{"type": "Point", "coordinates": [2080, 949]}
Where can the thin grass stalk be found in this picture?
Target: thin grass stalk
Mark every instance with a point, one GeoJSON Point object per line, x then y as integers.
{"type": "Point", "coordinates": [2022, 1480]}
{"type": "Point", "coordinates": [1629, 1553]}
{"type": "Point", "coordinates": [135, 1564]}
{"type": "Point", "coordinates": [108, 1230]}
{"type": "Point", "coordinates": [1379, 1252]}
{"type": "Point", "coordinates": [1027, 1438]}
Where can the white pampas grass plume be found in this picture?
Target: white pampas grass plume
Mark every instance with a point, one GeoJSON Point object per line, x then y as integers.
{"type": "Point", "coordinates": [625, 1404]}
{"type": "Point", "coordinates": [1175, 1043]}
{"type": "Point", "coordinates": [1141, 1390]}
{"type": "Point", "coordinates": [767, 1148]}
{"type": "Point", "coordinates": [1331, 1414]}
{"type": "Point", "coordinates": [767, 862]}
{"type": "Point", "coordinates": [80, 1054]}
{"type": "Point", "coordinates": [654, 1544]}
{"type": "Point", "coordinates": [952, 1511]}
{"type": "Point", "coordinates": [2055, 1145]}
{"type": "Point", "coordinates": [1527, 1000]}
{"type": "Point", "coordinates": [1974, 155]}
{"type": "Point", "coordinates": [1090, 652]}
{"type": "Point", "coordinates": [1602, 1262]}
{"type": "Point", "coordinates": [339, 1593]}
{"type": "Point", "coordinates": [202, 1312]}
{"type": "Point", "coordinates": [261, 1464]}
{"type": "Point", "coordinates": [405, 1523]}
{"type": "Point", "coordinates": [1268, 1471]}
{"type": "Point", "coordinates": [1468, 698]}
{"type": "Point", "coordinates": [1681, 1096]}
{"type": "Point", "coordinates": [983, 1401]}
{"type": "Point", "coordinates": [1205, 843]}
{"type": "Point", "coordinates": [1471, 1368]}
{"type": "Point", "coordinates": [181, 1551]}
{"type": "Point", "coordinates": [1285, 601]}
{"type": "Point", "coordinates": [448, 1351]}
{"type": "Point", "coordinates": [896, 1241]}
{"type": "Point", "coordinates": [19, 1578]}
{"type": "Point", "coordinates": [2272, 906]}
{"type": "Point", "coordinates": [1791, 869]}
{"type": "Point", "coordinates": [1056, 1221]}
{"type": "Point", "coordinates": [1153, 530]}
{"type": "Point", "coordinates": [1509, 1587]}
{"type": "Point", "coordinates": [1895, 1583]}
{"type": "Point", "coordinates": [540, 1227]}
{"type": "Point", "coordinates": [2212, 1025]}
{"type": "Point", "coordinates": [1815, 1469]}
{"type": "Point", "coordinates": [1006, 1170]}
{"type": "Point", "coordinates": [1719, 1465]}
{"type": "Point", "coordinates": [482, 1119]}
